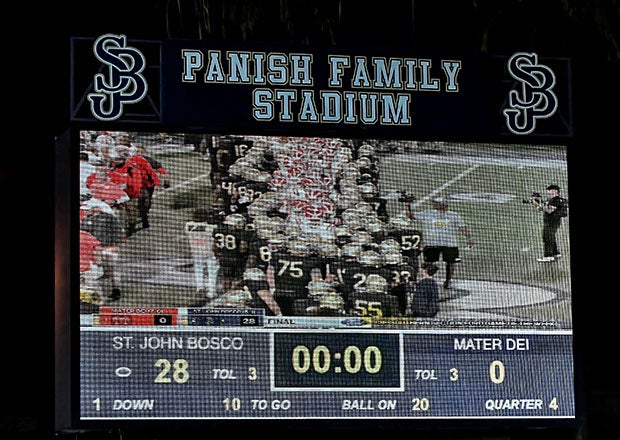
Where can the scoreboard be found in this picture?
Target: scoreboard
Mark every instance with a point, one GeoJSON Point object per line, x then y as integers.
{"type": "Point", "coordinates": [258, 373]}
{"type": "Point", "coordinates": [276, 269]}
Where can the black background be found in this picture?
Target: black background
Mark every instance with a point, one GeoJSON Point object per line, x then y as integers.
{"type": "Point", "coordinates": [35, 81]}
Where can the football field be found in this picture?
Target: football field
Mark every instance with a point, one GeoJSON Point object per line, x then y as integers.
{"type": "Point", "coordinates": [486, 185]}
{"type": "Point", "coordinates": [498, 280]}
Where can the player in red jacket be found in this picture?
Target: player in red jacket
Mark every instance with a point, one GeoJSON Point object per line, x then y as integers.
{"type": "Point", "coordinates": [139, 177]}
{"type": "Point", "coordinates": [149, 180]}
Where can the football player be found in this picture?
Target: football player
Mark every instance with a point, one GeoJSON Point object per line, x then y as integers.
{"type": "Point", "coordinates": [373, 301]}
{"type": "Point", "coordinates": [199, 232]}
{"type": "Point", "coordinates": [290, 269]}
{"type": "Point", "coordinates": [401, 280]}
{"type": "Point", "coordinates": [256, 287]}
{"type": "Point", "coordinates": [371, 263]}
{"type": "Point", "coordinates": [409, 238]}
{"type": "Point", "coordinates": [231, 242]}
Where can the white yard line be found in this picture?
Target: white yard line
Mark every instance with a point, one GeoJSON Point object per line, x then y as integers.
{"type": "Point", "coordinates": [161, 191]}
{"type": "Point", "coordinates": [444, 186]}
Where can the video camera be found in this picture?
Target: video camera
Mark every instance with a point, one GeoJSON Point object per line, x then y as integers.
{"type": "Point", "coordinates": [406, 197]}
{"type": "Point", "coordinates": [534, 199]}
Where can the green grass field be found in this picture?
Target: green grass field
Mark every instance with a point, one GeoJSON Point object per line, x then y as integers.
{"type": "Point", "coordinates": [486, 186]}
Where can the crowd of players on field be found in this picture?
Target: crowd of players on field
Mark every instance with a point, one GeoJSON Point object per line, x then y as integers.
{"type": "Point", "coordinates": [296, 226]}
{"type": "Point", "coordinates": [299, 227]}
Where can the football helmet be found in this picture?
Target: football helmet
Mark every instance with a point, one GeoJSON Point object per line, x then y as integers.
{"type": "Point", "coordinates": [350, 217]}
{"type": "Point", "coordinates": [370, 258]}
{"type": "Point", "coordinates": [400, 221]}
{"type": "Point", "coordinates": [257, 209]}
{"type": "Point", "coordinates": [332, 301]}
{"type": "Point", "coordinates": [253, 274]}
{"type": "Point", "coordinates": [363, 162]}
{"type": "Point", "coordinates": [299, 248]}
{"type": "Point", "coordinates": [351, 250]}
{"type": "Point", "coordinates": [376, 284]}
{"type": "Point", "coordinates": [365, 209]}
{"type": "Point", "coordinates": [366, 150]}
{"type": "Point", "coordinates": [342, 234]}
{"type": "Point", "coordinates": [389, 244]}
{"type": "Point", "coordinates": [236, 221]}
{"type": "Point", "coordinates": [351, 173]}
{"type": "Point", "coordinates": [328, 249]}
{"type": "Point", "coordinates": [392, 256]}
{"type": "Point", "coordinates": [374, 225]}
{"type": "Point", "coordinates": [368, 189]}
{"type": "Point", "coordinates": [361, 237]}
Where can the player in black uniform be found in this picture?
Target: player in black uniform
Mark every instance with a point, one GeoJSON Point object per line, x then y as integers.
{"type": "Point", "coordinates": [226, 191]}
{"type": "Point", "coordinates": [373, 301]}
{"type": "Point", "coordinates": [243, 193]}
{"type": "Point", "coordinates": [369, 170]}
{"type": "Point", "coordinates": [230, 245]}
{"type": "Point", "coordinates": [266, 238]}
{"type": "Point", "coordinates": [357, 277]}
{"type": "Point", "coordinates": [401, 281]}
{"type": "Point", "coordinates": [370, 263]}
{"type": "Point", "coordinates": [290, 269]}
{"type": "Point", "coordinates": [409, 239]}
{"type": "Point", "coordinates": [342, 235]}
{"type": "Point", "coordinates": [221, 158]}
{"type": "Point", "coordinates": [256, 287]}
{"type": "Point", "coordinates": [268, 162]}
{"type": "Point", "coordinates": [329, 254]}
{"type": "Point", "coordinates": [323, 297]}
{"type": "Point", "coordinates": [225, 151]}
{"type": "Point", "coordinates": [370, 194]}
{"type": "Point", "coordinates": [347, 267]}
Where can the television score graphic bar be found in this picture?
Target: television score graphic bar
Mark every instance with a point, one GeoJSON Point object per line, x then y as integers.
{"type": "Point", "coordinates": [175, 316]}
{"type": "Point", "coordinates": [259, 373]}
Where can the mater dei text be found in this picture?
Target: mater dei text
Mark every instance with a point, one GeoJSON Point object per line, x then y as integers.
{"type": "Point", "coordinates": [359, 90]}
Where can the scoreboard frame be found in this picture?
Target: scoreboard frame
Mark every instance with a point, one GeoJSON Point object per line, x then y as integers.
{"type": "Point", "coordinates": [326, 351]}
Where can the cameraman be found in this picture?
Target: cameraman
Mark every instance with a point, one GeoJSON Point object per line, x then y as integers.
{"type": "Point", "coordinates": [553, 209]}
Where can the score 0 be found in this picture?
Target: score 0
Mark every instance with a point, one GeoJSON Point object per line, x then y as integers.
{"type": "Point", "coordinates": [497, 372]}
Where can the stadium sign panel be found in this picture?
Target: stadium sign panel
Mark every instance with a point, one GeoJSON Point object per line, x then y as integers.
{"type": "Point", "coordinates": [196, 83]}
{"type": "Point", "coordinates": [298, 233]}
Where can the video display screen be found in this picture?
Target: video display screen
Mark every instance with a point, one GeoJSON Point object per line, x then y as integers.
{"type": "Point", "coordinates": [235, 276]}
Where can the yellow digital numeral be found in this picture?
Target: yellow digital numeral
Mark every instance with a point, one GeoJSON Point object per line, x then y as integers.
{"type": "Point", "coordinates": [179, 368]}
{"type": "Point", "coordinates": [554, 404]}
{"type": "Point", "coordinates": [454, 374]}
{"type": "Point", "coordinates": [232, 404]}
{"type": "Point", "coordinates": [497, 372]}
{"type": "Point", "coordinates": [420, 404]}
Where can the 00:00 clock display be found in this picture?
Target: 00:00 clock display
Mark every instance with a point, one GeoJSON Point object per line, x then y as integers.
{"type": "Point", "coordinates": [353, 359]}
{"type": "Point", "coordinates": [319, 360]}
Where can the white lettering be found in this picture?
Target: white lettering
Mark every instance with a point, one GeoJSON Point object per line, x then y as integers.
{"type": "Point", "coordinates": [477, 344]}
{"type": "Point", "coordinates": [513, 404]}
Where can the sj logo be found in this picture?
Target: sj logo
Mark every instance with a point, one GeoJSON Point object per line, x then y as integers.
{"type": "Point", "coordinates": [536, 99]}
{"type": "Point", "coordinates": [123, 84]}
